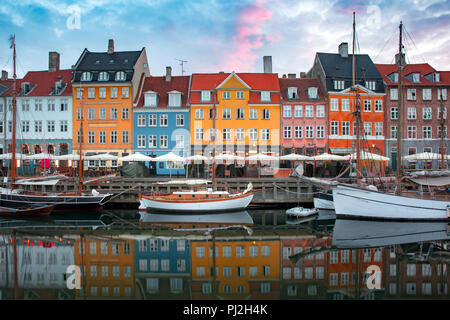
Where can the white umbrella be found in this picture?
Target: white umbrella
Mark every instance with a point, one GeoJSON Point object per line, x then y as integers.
{"type": "Point", "coordinates": [136, 157]}
{"type": "Point", "coordinates": [170, 157]}
{"type": "Point", "coordinates": [103, 156]}
{"type": "Point", "coordinates": [425, 156]}
{"type": "Point", "coordinates": [261, 157]}
{"type": "Point", "coordinates": [329, 157]}
{"type": "Point", "coordinates": [197, 157]}
{"type": "Point", "coordinates": [8, 156]}
{"type": "Point", "coordinates": [368, 156]}
{"type": "Point", "coordinates": [228, 157]}
{"type": "Point", "coordinates": [40, 156]}
{"type": "Point", "coordinates": [295, 157]}
{"type": "Point", "coordinates": [73, 157]}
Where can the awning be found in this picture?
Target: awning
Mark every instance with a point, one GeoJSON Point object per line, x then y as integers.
{"type": "Point", "coordinates": [342, 150]}
{"type": "Point", "coordinates": [432, 181]}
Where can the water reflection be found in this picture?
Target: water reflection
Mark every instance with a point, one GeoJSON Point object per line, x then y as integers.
{"type": "Point", "coordinates": [241, 255]}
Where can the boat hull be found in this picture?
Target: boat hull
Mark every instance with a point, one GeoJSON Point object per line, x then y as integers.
{"type": "Point", "coordinates": [324, 201]}
{"type": "Point", "coordinates": [352, 202]}
{"type": "Point", "coordinates": [32, 210]}
{"type": "Point", "coordinates": [231, 203]}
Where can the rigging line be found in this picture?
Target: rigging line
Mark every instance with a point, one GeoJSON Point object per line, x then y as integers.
{"type": "Point", "coordinates": [408, 35]}
{"type": "Point", "coordinates": [7, 62]}
{"type": "Point", "coordinates": [384, 46]}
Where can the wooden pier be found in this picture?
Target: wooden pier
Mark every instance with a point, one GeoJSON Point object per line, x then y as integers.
{"type": "Point", "coordinates": [268, 191]}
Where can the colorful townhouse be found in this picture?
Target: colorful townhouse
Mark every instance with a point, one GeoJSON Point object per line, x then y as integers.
{"type": "Point", "coordinates": [163, 268]}
{"type": "Point", "coordinates": [335, 71]}
{"type": "Point", "coordinates": [161, 121]}
{"type": "Point", "coordinates": [105, 85]}
{"type": "Point", "coordinates": [348, 271]}
{"type": "Point", "coordinates": [107, 268]}
{"type": "Point", "coordinates": [305, 277]}
{"type": "Point", "coordinates": [242, 268]}
{"type": "Point", "coordinates": [247, 119]}
{"type": "Point", "coordinates": [43, 113]}
{"type": "Point", "coordinates": [303, 116]}
{"type": "Point", "coordinates": [424, 95]}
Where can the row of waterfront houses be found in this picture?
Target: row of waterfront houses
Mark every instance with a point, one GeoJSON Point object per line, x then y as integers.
{"type": "Point", "coordinates": [124, 109]}
{"type": "Point", "coordinates": [256, 267]}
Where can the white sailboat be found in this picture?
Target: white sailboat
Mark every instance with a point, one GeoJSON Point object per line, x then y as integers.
{"type": "Point", "coordinates": [362, 203]}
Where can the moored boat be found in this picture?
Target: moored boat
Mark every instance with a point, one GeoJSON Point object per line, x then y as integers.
{"type": "Point", "coordinates": [25, 210]}
{"type": "Point", "coordinates": [300, 212]}
{"type": "Point", "coordinates": [323, 201]}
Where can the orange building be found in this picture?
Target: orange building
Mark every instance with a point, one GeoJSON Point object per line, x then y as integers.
{"type": "Point", "coordinates": [107, 268]}
{"type": "Point", "coordinates": [105, 85]}
{"type": "Point", "coordinates": [244, 269]}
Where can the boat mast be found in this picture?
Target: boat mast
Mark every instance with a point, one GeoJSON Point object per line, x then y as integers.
{"type": "Point", "coordinates": [442, 133]}
{"type": "Point", "coordinates": [357, 108]}
{"type": "Point", "coordinates": [400, 110]}
{"type": "Point", "coordinates": [214, 142]}
{"type": "Point", "coordinates": [80, 163]}
{"type": "Point", "coordinates": [13, 158]}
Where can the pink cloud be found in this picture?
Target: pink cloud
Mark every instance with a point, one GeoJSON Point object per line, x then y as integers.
{"type": "Point", "coordinates": [248, 38]}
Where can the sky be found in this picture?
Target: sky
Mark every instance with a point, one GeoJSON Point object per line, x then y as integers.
{"type": "Point", "coordinates": [231, 35]}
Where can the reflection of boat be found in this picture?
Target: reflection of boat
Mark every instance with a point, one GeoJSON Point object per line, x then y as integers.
{"type": "Point", "coordinates": [29, 209]}
{"type": "Point", "coordinates": [300, 212]}
{"type": "Point", "coordinates": [362, 233]}
{"type": "Point", "coordinates": [323, 201]}
{"type": "Point", "coordinates": [188, 221]}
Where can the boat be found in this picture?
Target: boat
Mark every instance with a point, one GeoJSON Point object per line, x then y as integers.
{"type": "Point", "coordinates": [11, 197]}
{"type": "Point", "coordinates": [323, 201]}
{"type": "Point", "coordinates": [199, 200]}
{"type": "Point", "coordinates": [361, 202]}
{"type": "Point", "coordinates": [300, 212]}
{"type": "Point", "coordinates": [30, 209]}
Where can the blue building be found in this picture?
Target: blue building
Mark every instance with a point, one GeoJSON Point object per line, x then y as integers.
{"type": "Point", "coordinates": [161, 121]}
{"type": "Point", "coordinates": [163, 268]}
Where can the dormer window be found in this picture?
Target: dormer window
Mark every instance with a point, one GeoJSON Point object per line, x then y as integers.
{"type": "Point", "coordinates": [26, 86]}
{"type": "Point", "coordinates": [150, 99]}
{"type": "Point", "coordinates": [206, 96]}
{"type": "Point", "coordinates": [416, 77]}
{"type": "Point", "coordinates": [58, 86]}
{"type": "Point", "coordinates": [435, 77]}
{"type": "Point", "coordinates": [370, 85]}
{"type": "Point", "coordinates": [103, 76]}
{"type": "Point", "coordinates": [174, 99]}
{"type": "Point", "coordinates": [265, 95]}
{"type": "Point", "coordinates": [312, 93]}
{"type": "Point", "coordinates": [86, 76]}
{"type": "Point", "coordinates": [292, 93]}
{"type": "Point", "coordinates": [395, 77]}
{"type": "Point", "coordinates": [338, 84]}
{"type": "Point", "coordinates": [120, 76]}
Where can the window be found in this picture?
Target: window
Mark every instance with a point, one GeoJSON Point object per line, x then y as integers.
{"type": "Point", "coordinates": [345, 104]}
{"type": "Point", "coordinates": [412, 113]}
{"type": "Point", "coordinates": [439, 113]}
{"type": "Point", "coordinates": [426, 94]}
{"type": "Point", "coordinates": [199, 134]}
{"type": "Point", "coordinates": [80, 93]}
{"type": "Point", "coordinates": [125, 114]}
{"type": "Point", "coordinates": [91, 93]}
{"type": "Point", "coordinates": [240, 134]}
{"type": "Point", "coordinates": [394, 94]}
{"type": "Point", "coordinates": [152, 285]}
{"type": "Point", "coordinates": [266, 271]}
{"type": "Point", "coordinates": [292, 93]}
{"type": "Point", "coordinates": [334, 104]}
{"type": "Point", "coordinates": [102, 93]}
{"type": "Point", "coordinates": [125, 92]}
{"type": "Point", "coordinates": [91, 114]}
{"type": "Point", "coordinates": [240, 113]}
{"type": "Point", "coordinates": [439, 132]}
{"type": "Point", "coordinates": [226, 271]}
{"type": "Point", "coordinates": [442, 94]}
{"type": "Point", "coordinates": [287, 273]}
{"type": "Point", "coordinates": [265, 96]}
{"type": "Point", "coordinates": [253, 134]}
{"type": "Point", "coordinates": [378, 129]}
{"type": "Point", "coordinates": [368, 128]}
{"type": "Point", "coordinates": [102, 137]}
{"type": "Point", "coordinates": [25, 126]}
{"type": "Point", "coordinates": [165, 265]}
{"type": "Point", "coordinates": [200, 252]}
{"type": "Point", "coordinates": [334, 128]}
{"type": "Point", "coordinates": [298, 132]}
{"type": "Point", "coordinates": [114, 93]}
{"type": "Point", "coordinates": [427, 132]}
{"type": "Point", "coordinates": [312, 93]}
{"type": "Point", "coordinates": [226, 113]}
{"type": "Point", "coordinates": [410, 269]}
{"type": "Point", "coordinates": [298, 111]}
{"type": "Point", "coordinates": [226, 95]}
{"type": "Point", "coordinates": [411, 94]}
{"type": "Point", "coordinates": [411, 288]}
{"type": "Point", "coordinates": [309, 111]}
{"type": "Point", "coordinates": [320, 132]}
{"type": "Point", "coordinates": [152, 141]}
{"type": "Point", "coordinates": [198, 113]}
{"type": "Point", "coordinates": [378, 105]}
{"type": "Point", "coordinates": [344, 279]}
{"type": "Point", "coordinates": [266, 114]}
{"type": "Point", "coordinates": [38, 126]}
{"type": "Point", "coordinates": [427, 113]}
{"type": "Point", "coordinates": [163, 141]}
{"type": "Point", "coordinates": [265, 251]}
{"type": "Point", "coordinates": [240, 251]}
{"type": "Point", "coordinates": [334, 257]}
{"type": "Point", "coordinates": [180, 120]}
{"type": "Point", "coordinates": [367, 105]}
{"type": "Point", "coordinates": [150, 99]}
{"type": "Point", "coordinates": [113, 137]}
{"type": "Point", "coordinates": [416, 77]}
{"type": "Point", "coordinates": [333, 279]}
{"type": "Point", "coordinates": [200, 271]}
{"type": "Point", "coordinates": [338, 84]}
{"type": "Point", "coordinates": [265, 287]}
{"type": "Point", "coordinates": [120, 76]}
{"type": "Point", "coordinates": [163, 120]}
{"type": "Point", "coordinates": [179, 141]}
{"type": "Point", "coordinates": [51, 126]}
{"type": "Point", "coordinates": [141, 141]}
{"type": "Point", "coordinates": [370, 85]}
{"type": "Point", "coordinates": [287, 132]}
{"type": "Point", "coordinates": [151, 120]}
{"type": "Point", "coordinates": [309, 132]}
{"type": "Point", "coordinates": [174, 99]}
{"type": "Point", "coordinates": [206, 96]}
{"type": "Point", "coordinates": [226, 134]}
{"type": "Point", "coordinates": [287, 112]}
{"type": "Point", "coordinates": [102, 114]}
{"type": "Point", "coordinates": [125, 137]}
{"type": "Point", "coordinates": [239, 94]}
{"type": "Point", "coordinates": [394, 113]}
{"type": "Point", "coordinates": [86, 76]}
{"type": "Point", "coordinates": [114, 113]}
{"type": "Point", "coordinates": [265, 134]}
{"type": "Point", "coordinates": [253, 114]}
{"type": "Point", "coordinates": [64, 106]}
{"type": "Point", "coordinates": [345, 128]}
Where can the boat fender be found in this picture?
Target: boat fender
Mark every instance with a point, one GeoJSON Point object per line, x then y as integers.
{"type": "Point", "coordinates": [95, 192]}
{"type": "Point", "coordinates": [249, 188]}
{"type": "Point", "coordinates": [372, 187]}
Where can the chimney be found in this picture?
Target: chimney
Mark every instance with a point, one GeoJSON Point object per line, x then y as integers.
{"type": "Point", "coordinates": [267, 64]}
{"type": "Point", "coordinates": [302, 74]}
{"type": "Point", "coordinates": [343, 50]}
{"type": "Point", "coordinates": [53, 61]}
{"type": "Point", "coordinates": [110, 46]}
{"type": "Point", "coordinates": [4, 75]}
{"type": "Point", "coordinates": [168, 74]}
{"type": "Point", "coordinates": [397, 58]}
{"type": "Point", "coordinates": [291, 75]}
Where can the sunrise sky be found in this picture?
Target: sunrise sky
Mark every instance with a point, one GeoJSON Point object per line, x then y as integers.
{"type": "Point", "coordinates": [215, 35]}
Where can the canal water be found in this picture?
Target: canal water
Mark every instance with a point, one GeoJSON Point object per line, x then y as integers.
{"type": "Point", "coordinates": [253, 254]}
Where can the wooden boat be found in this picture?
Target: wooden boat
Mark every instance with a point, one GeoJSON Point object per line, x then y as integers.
{"type": "Point", "coordinates": [25, 210]}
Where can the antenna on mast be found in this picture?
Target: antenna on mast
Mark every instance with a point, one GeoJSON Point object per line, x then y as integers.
{"type": "Point", "coordinates": [182, 62]}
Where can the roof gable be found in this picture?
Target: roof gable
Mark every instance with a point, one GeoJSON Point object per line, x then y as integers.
{"type": "Point", "coordinates": [233, 82]}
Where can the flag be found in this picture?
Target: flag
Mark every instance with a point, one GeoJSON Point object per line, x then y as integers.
{"type": "Point", "coordinates": [12, 38]}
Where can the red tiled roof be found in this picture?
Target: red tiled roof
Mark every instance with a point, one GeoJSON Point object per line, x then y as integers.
{"type": "Point", "coordinates": [162, 87]}
{"type": "Point", "coordinates": [9, 84]}
{"type": "Point", "coordinates": [43, 81]}
{"type": "Point", "coordinates": [302, 85]}
{"type": "Point", "coordinates": [256, 81]}
{"type": "Point", "coordinates": [444, 77]}
{"type": "Point", "coordinates": [422, 68]}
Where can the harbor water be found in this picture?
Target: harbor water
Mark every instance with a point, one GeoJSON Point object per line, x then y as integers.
{"type": "Point", "coordinates": [252, 254]}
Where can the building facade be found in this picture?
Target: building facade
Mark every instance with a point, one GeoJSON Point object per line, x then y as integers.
{"type": "Point", "coordinates": [161, 121]}
{"type": "Point", "coordinates": [105, 85]}
{"type": "Point", "coordinates": [424, 96]}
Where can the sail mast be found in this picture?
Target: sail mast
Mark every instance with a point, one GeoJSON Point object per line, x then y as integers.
{"type": "Point", "coordinates": [357, 108]}
{"type": "Point", "coordinates": [214, 142]}
{"type": "Point", "coordinates": [400, 110]}
{"type": "Point", "coordinates": [80, 163]}
{"type": "Point", "coordinates": [13, 158]}
{"type": "Point", "coordinates": [442, 133]}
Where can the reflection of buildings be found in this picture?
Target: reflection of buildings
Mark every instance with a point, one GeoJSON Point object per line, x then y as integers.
{"type": "Point", "coordinates": [244, 268]}
{"type": "Point", "coordinates": [411, 272]}
{"type": "Point", "coordinates": [163, 268]}
{"type": "Point", "coordinates": [347, 273]}
{"type": "Point", "coordinates": [41, 268]}
{"type": "Point", "coordinates": [307, 277]}
{"type": "Point", "coordinates": [108, 266]}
